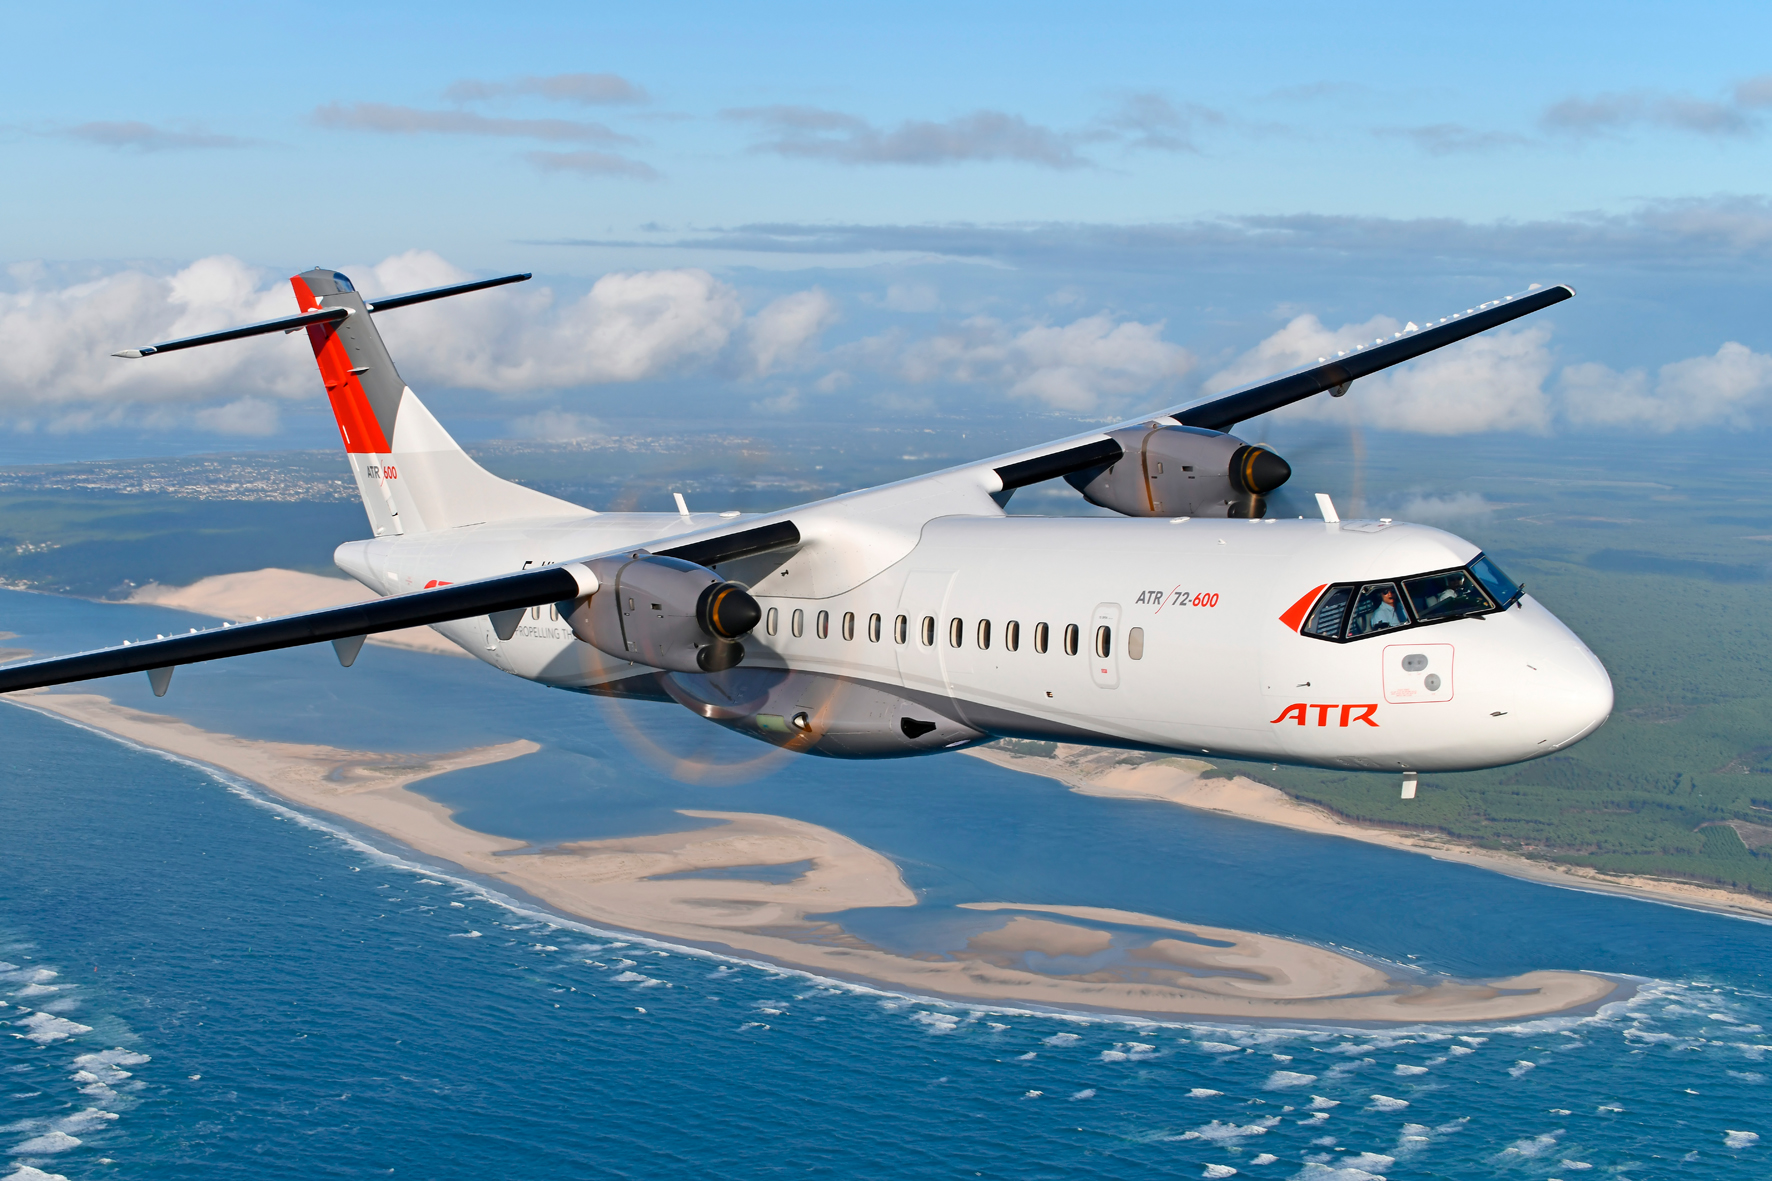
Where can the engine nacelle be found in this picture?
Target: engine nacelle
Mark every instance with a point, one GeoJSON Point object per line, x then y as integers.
{"type": "Point", "coordinates": [1183, 471]}
{"type": "Point", "coordinates": [664, 612]}
{"type": "Point", "coordinates": [819, 714]}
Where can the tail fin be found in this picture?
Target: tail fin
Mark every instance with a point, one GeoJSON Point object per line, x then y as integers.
{"type": "Point", "coordinates": [413, 477]}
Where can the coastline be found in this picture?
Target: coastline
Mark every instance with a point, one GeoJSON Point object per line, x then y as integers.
{"type": "Point", "coordinates": [261, 594]}
{"type": "Point", "coordinates": [1165, 970]}
{"type": "Point", "coordinates": [1094, 771]}
{"type": "Point", "coordinates": [1087, 770]}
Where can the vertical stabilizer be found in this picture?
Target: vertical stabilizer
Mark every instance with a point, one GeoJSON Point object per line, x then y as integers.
{"type": "Point", "coordinates": [413, 477]}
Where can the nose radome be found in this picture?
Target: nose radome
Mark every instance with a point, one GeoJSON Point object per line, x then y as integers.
{"type": "Point", "coordinates": [1581, 697]}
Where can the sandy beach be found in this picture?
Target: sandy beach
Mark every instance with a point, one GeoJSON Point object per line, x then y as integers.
{"type": "Point", "coordinates": [1085, 769]}
{"type": "Point", "coordinates": [262, 594]}
{"type": "Point", "coordinates": [1096, 771]}
{"type": "Point", "coordinates": [1167, 969]}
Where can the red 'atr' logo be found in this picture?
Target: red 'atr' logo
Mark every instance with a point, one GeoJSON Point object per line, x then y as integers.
{"type": "Point", "coordinates": [1349, 714]}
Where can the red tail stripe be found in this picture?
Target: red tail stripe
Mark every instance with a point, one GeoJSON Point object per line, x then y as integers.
{"type": "Point", "coordinates": [350, 406]}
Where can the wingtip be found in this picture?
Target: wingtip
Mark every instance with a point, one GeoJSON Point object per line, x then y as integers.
{"type": "Point", "coordinates": [133, 354]}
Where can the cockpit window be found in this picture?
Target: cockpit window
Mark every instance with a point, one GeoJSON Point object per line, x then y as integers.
{"type": "Point", "coordinates": [343, 283]}
{"type": "Point", "coordinates": [1445, 596]}
{"type": "Point", "coordinates": [1501, 588]}
{"type": "Point", "coordinates": [1356, 610]}
{"type": "Point", "coordinates": [1331, 609]}
{"type": "Point", "coordinates": [1378, 607]}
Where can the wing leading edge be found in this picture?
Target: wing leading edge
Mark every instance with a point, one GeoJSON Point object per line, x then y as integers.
{"type": "Point", "coordinates": [485, 596]}
{"type": "Point", "coordinates": [1225, 411]}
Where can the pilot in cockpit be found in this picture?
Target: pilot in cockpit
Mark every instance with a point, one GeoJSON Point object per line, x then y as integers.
{"type": "Point", "coordinates": [1387, 613]}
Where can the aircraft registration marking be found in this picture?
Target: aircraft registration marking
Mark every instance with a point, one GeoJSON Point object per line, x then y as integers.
{"type": "Point", "coordinates": [1298, 710]}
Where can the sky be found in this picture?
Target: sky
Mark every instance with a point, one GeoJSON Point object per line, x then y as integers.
{"type": "Point", "coordinates": [739, 214]}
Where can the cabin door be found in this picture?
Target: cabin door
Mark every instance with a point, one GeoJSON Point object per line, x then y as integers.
{"type": "Point", "coordinates": [1101, 644]}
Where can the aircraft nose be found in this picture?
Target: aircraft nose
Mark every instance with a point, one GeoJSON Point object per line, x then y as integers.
{"type": "Point", "coordinates": [1569, 694]}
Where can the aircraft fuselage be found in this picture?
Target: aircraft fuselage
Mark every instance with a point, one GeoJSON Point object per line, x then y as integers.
{"type": "Point", "coordinates": [1135, 632]}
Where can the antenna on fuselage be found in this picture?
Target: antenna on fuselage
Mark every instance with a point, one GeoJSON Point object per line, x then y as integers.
{"type": "Point", "coordinates": [1327, 506]}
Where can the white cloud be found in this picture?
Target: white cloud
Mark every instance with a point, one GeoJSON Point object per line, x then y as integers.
{"type": "Point", "coordinates": [1725, 389]}
{"type": "Point", "coordinates": [248, 416]}
{"type": "Point", "coordinates": [1453, 507]}
{"type": "Point", "coordinates": [628, 327]}
{"type": "Point", "coordinates": [56, 367]}
{"type": "Point", "coordinates": [56, 371]}
{"type": "Point", "coordinates": [1089, 364]}
{"type": "Point", "coordinates": [556, 426]}
{"type": "Point", "coordinates": [1491, 382]}
{"type": "Point", "coordinates": [782, 331]}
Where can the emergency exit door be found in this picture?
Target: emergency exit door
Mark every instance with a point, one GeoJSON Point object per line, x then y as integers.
{"type": "Point", "coordinates": [1101, 644]}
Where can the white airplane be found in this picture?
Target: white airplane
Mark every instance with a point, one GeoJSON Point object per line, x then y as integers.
{"type": "Point", "coordinates": [918, 617]}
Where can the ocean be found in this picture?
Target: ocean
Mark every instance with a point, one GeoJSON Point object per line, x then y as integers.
{"type": "Point", "coordinates": [199, 977]}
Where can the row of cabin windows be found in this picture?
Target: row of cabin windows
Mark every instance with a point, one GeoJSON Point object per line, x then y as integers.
{"type": "Point", "coordinates": [981, 633]}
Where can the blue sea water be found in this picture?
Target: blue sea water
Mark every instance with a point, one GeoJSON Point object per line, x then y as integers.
{"type": "Point", "coordinates": [197, 977]}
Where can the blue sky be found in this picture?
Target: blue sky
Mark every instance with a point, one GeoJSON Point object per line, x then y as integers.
{"type": "Point", "coordinates": [991, 207]}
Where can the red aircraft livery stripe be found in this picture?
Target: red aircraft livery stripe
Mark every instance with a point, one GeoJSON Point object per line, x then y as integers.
{"type": "Point", "coordinates": [350, 406]}
{"type": "Point", "coordinates": [1294, 617]}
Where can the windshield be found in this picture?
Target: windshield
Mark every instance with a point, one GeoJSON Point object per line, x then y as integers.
{"type": "Point", "coordinates": [1355, 610]}
{"type": "Point", "coordinates": [1501, 588]}
{"type": "Point", "coordinates": [1445, 596]}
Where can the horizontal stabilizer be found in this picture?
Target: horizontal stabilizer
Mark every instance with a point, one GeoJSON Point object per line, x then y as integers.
{"type": "Point", "coordinates": [285, 324]}
{"type": "Point", "coordinates": [430, 293]}
{"type": "Point", "coordinates": [486, 596]}
{"type": "Point", "coordinates": [330, 315]}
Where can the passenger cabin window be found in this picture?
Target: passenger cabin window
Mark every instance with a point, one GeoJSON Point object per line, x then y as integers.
{"type": "Point", "coordinates": [901, 630]}
{"type": "Point", "coordinates": [1012, 635]}
{"type": "Point", "coordinates": [1070, 639]}
{"type": "Point", "coordinates": [929, 631]}
{"type": "Point", "coordinates": [874, 628]}
{"type": "Point", "coordinates": [1042, 637]}
{"type": "Point", "coordinates": [1135, 644]}
{"type": "Point", "coordinates": [984, 633]}
{"type": "Point", "coordinates": [1352, 611]}
{"type": "Point", "coordinates": [772, 621]}
{"type": "Point", "coordinates": [956, 632]}
{"type": "Point", "coordinates": [1104, 642]}
{"type": "Point", "coordinates": [799, 624]}
{"type": "Point", "coordinates": [1376, 608]}
{"type": "Point", "coordinates": [824, 625]}
{"type": "Point", "coordinates": [848, 625]}
{"type": "Point", "coordinates": [1445, 596]}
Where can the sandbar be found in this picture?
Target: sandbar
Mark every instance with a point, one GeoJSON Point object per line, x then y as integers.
{"type": "Point", "coordinates": [1086, 769]}
{"type": "Point", "coordinates": [1038, 957]}
{"type": "Point", "coordinates": [1097, 771]}
{"type": "Point", "coordinates": [262, 594]}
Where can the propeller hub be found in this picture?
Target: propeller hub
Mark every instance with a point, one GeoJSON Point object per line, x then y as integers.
{"type": "Point", "coordinates": [727, 610]}
{"type": "Point", "coordinates": [1258, 471]}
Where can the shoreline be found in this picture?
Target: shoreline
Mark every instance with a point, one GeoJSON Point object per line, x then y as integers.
{"type": "Point", "coordinates": [1165, 971]}
{"type": "Point", "coordinates": [1093, 771]}
{"type": "Point", "coordinates": [262, 594]}
{"type": "Point", "coordinates": [271, 591]}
